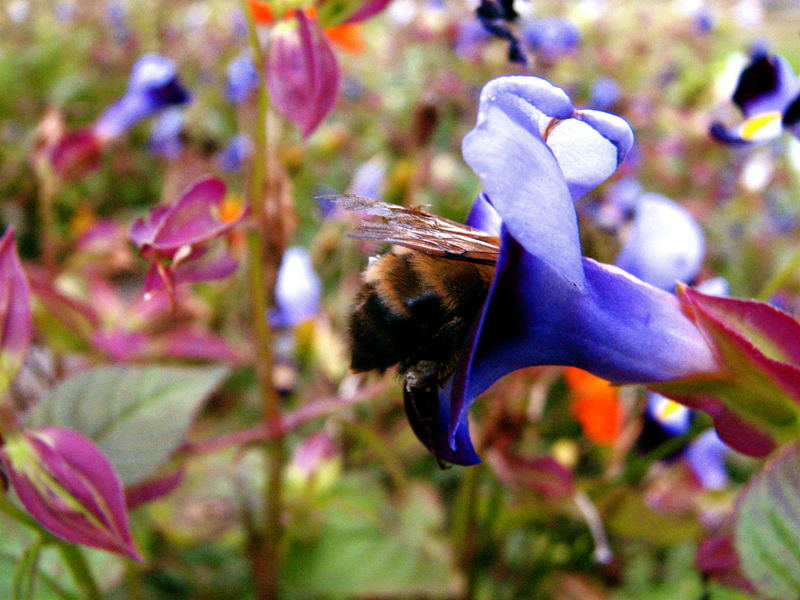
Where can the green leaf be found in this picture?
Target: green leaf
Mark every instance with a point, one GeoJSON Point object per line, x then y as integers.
{"type": "Point", "coordinates": [768, 527]}
{"type": "Point", "coordinates": [333, 12]}
{"type": "Point", "coordinates": [25, 571]}
{"type": "Point", "coordinates": [370, 546]}
{"type": "Point", "coordinates": [137, 415]}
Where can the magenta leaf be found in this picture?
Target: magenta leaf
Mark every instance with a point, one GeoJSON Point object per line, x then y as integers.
{"type": "Point", "coordinates": [15, 311]}
{"type": "Point", "coordinates": [302, 73]}
{"type": "Point", "coordinates": [755, 398]}
{"type": "Point", "coordinates": [69, 487]}
{"type": "Point", "coordinates": [195, 217]}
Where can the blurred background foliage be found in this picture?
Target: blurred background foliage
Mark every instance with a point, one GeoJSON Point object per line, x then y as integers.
{"type": "Point", "coordinates": [373, 516]}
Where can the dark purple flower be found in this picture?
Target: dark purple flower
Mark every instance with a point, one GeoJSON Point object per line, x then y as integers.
{"type": "Point", "coordinates": [550, 38]}
{"type": "Point", "coordinates": [495, 15]}
{"type": "Point", "coordinates": [302, 72]}
{"type": "Point", "coordinates": [242, 78]}
{"type": "Point", "coordinates": [69, 487]}
{"type": "Point", "coordinates": [15, 311]}
{"type": "Point", "coordinates": [768, 94]}
{"type": "Point", "coordinates": [152, 87]}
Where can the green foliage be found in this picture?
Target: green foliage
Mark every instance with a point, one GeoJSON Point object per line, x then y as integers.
{"type": "Point", "coordinates": [768, 527]}
{"type": "Point", "coordinates": [137, 415]}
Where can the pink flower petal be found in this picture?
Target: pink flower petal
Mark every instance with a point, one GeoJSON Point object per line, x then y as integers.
{"type": "Point", "coordinates": [302, 73]}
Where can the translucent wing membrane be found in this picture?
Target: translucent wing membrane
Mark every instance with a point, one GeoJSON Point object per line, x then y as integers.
{"type": "Point", "coordinates": [418, 230]}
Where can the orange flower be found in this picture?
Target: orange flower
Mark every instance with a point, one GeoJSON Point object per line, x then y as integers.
{"type": "Point", "coordinates": [596, 405]}
{"type": "Point", "coordinates": [346, 36]}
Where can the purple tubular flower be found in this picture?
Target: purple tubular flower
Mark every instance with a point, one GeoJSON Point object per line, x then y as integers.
{"type": "Point", "coordinates": [302, 72]}
{"type": "Point", "coordinates": [665, 245]}
{"type": "Point", "coordinates": [242, 78]}
{"type": "Point", "coordinates": [69, 487]}
{"type": "Point", "coordinates": [298, 290]}
{"type": "Point", "coordinates": [706, 457]}
{"type": "Point", "coordinates": [550, 38]}
{"type": "Point", "coordinates": [15, 311]}
{"type": "Point", "coordinates": [548, 305]}
{"type": "Point", "coordinates": [165, 136]}
{"type": "Point", "coordinates": [153, 86]}
{"type": "Point", "coordinates": [768, 95]}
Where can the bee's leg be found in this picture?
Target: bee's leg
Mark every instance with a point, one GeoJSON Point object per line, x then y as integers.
{"type": "Point", "coordinates": [421, 401]}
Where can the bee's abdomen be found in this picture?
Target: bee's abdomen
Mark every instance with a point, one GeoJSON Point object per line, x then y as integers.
{"type": "Point", "coordinates": [405, 313]}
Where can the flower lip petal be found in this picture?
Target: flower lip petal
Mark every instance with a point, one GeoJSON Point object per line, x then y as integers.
{"type": "Point", "coordinates": [585, 156]}
{"type": "Point", "coordinates": [520, 175]}
{"type": "Point", "coordinates": [525, 96]}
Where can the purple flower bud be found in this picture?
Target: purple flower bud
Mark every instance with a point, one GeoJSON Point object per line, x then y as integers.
{"type": "Point", "coordinates": [69, 487]}
{"type": "Point", "coordinates": [153, 86]}
{"type": "Point", "coordinates": [178, 233]}
{"type": "Point", "coordinates": [242, 78]}
{"type": "Point", "coordinates": [302, 72]}
{"type": "Point", "coordinates": [15, 311]}
{"type": "Point", "coordinates": [297, 292]}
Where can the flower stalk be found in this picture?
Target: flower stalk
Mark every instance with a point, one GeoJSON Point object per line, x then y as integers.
{"type": "Point", "coordinates": [72, 554]}
{"type": "Point", "coordinates": [265, 545]}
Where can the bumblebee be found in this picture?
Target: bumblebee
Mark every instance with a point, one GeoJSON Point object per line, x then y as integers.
{"type": "Point", "coordinates": [417, 302]}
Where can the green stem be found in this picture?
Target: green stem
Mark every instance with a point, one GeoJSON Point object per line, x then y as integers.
{"type": "Point", "coordinates": [781, 277]}
{"type": "Point", "coordinates": [76, 563]}
{"type": "Point", "coordinates": [264, 547]}
{"type": "Point", "coordinates": [48, 189]}
{"type": "Point", "coordinates": [463, 532]}
{"type": "Point", "coordinates": [71, 553]}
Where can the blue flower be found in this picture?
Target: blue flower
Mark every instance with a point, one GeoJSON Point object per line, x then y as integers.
{"type": "Point", "coordinates": [547, 305]}
{"type": "Point", "coordinates": [706, 457]}
{"type": "Point", "coordinates": [550, 38]}
{"type": "Point", "coordinates": [152, 87]}
{"type": "Point", "coordinates": [242, 78]}
{"type": "Point", "coordinates": [165, 135]}
{"type": "Point", "coordinates": [665, 244]}
{"type": "Point", "coordinates": [298, 290]}
{"type": "Point", "coordinates": [605, 93]}
{"type": "Point", "coordinates": [235, 153]}
{"type": "Point", "coordinates": [768, 94]}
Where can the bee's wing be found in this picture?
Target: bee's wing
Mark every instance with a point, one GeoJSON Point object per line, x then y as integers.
{"type": "Point", "coordinates": [418, 230]}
